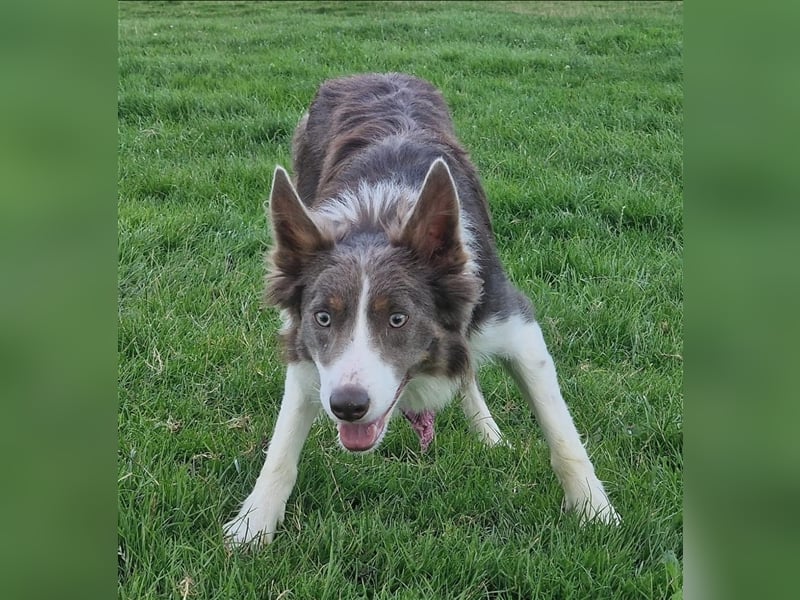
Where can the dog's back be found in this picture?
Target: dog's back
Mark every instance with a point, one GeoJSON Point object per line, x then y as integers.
{"type": "Point", "coordinates": [373, 127]}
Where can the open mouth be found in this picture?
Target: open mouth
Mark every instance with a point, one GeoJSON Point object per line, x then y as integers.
{"type": "Point", "coordinates": [361, 437]}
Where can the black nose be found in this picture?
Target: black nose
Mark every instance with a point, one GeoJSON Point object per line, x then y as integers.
{"type": "Point", "coordinates": [349, 402]}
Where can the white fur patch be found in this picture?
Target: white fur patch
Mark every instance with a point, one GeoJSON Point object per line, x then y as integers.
{"type": "Point", "coordinates": [360, 364]}
{"type": "Point", "coordinates": [476, 411]}
{"type": "Point", "coordinates": [496, 338]}
{"type": "Point", "coordinates": [286, 322]}
{"type": "Point", "coordinates": [263, 509]}
{"type": "Point", "coordinates": [521, 342]}
{"type": "Point", "coordinates": [369, 202]}
{"type": "Point", "coordinates": [428, 392]}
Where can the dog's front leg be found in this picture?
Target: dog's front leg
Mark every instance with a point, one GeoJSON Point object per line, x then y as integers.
{"type": "Point", "coordinates": [264, 507]}
{"type": "Point", "coordinates": [533, 368]}
{"type": "Point", "coordinates": [477, 412]}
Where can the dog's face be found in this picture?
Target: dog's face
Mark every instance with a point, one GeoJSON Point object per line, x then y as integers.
{"type": "Point", "coordinates": [373, 308]}
{"type": "Point", "coordinates": [366, 324]}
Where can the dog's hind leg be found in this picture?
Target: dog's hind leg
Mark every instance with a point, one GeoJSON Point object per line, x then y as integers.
{"type": "Point", "coordinates": [533, 369]}
{"type": "Point", "coordinates": [264, 507]}
{"type": "Point", "coordinates": [478, 414]}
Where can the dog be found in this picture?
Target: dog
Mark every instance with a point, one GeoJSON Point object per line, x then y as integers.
{"type": "Point", "coordinates": [392, 293]}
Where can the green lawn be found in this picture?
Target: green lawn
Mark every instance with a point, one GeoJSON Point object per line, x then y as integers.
{"type": "Point", "coordinates": [573, 113]}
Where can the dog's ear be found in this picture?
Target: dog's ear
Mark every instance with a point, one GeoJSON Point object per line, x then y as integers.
{"type": "Point", "coordinates": [297, 239]}
{"type": "Point", "coordinates": [292, 226]}
{"type": "Point", "coordinates": [433, 231]}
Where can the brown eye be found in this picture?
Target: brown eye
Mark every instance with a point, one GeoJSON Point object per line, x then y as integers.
{"type": "Point", "coordinates": [398, 320]}
{"type": "Point", "coordinates": [323, 318]}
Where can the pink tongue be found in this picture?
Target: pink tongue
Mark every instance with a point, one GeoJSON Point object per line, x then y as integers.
{"type": "Point", "coordinates": [359, 436]}
{"type": "Point", "coordinates": [422, 424]}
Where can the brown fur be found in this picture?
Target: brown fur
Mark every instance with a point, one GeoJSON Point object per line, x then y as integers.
{"type": "Point", "coordinates": [374, 129]}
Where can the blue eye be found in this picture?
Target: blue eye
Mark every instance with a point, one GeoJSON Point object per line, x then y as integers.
{"type": "Point", "coordinates": [323, 318]}
{"type": "Point", "coordinates": [398, 320]}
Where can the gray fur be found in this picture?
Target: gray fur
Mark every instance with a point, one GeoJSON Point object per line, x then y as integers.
{"type": "Point", "coordinates": [373, 130]}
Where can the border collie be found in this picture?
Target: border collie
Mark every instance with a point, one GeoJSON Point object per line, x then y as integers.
{"type": "Point", "coordinates": [392, 294]}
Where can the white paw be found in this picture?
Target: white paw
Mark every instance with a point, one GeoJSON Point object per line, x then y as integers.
{"type": "Point", "coordinates": [255, 524]}
{"type": "Point", "coordinates": [591, 503]}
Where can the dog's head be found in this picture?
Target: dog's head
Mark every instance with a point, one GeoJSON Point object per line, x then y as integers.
{"type": "Point", "coordinates": [372, 306]}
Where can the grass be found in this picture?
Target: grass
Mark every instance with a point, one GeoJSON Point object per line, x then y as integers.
{"type": "Point", "coordinates": [573, 113]}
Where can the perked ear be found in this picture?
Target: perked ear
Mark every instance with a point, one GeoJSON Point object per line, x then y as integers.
{"type": "Point", "coordinates": [293, 229]}
{"type": "Point", "coordinates": [297, 239]}
{"type": "Point", "coordinates": [433, 230]}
